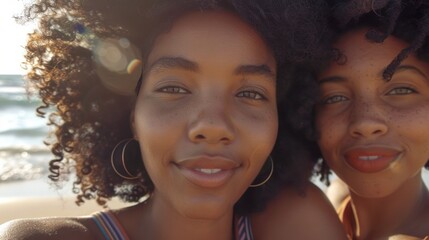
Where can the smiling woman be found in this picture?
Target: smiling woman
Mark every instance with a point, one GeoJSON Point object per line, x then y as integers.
{"type": "Point", "coordinates": [221, 107]}
{"type": "Point", "coordinates": [370, 104]}
{"type": "Point", "coordinates": [372, 117]}
{"type": "Point", "coordinates": [176, 106]}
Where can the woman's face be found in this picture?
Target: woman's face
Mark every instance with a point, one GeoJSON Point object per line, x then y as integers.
{"type": "Point", "coordinates": [206, 115]}
{"type": "Point", "coordinates": [374, 133]}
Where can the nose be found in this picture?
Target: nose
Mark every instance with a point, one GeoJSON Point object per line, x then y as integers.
{"type": "Point", "coordinates": [367, 120]}
{"type": "Point", "coordinates": [212, 124]}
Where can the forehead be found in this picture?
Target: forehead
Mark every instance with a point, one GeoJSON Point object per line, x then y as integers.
{"type": "Point", "coordinates": [210, 21]}
{"type": "Point", "coordinates": [356, 47]}
{"type": "Point", "coordinates": [211, 32]}
{"type": "Point", "coordinates": [368, 60]}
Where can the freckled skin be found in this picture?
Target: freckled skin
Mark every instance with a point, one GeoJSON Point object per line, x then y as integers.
{"type": "Point", "coordinates": [369, 107]}
{"type": "Point", "coordinates": [370, 111]}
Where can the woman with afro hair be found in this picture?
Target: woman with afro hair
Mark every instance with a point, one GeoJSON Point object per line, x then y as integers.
{"type": "Point", "coordinates": [372, 115]}
{"type": "Point", "coordinates": [177, 105]}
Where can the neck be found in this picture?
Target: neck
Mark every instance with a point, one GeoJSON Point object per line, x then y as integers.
{"type": "Point", "coordinates": [390, 215]}
{"type": "Point", "coordinates": [162, 221]}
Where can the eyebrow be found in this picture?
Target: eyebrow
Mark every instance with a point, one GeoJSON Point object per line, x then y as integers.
{"type": "Point", "coordinates": [262, 70]}
{"type": "Point", "coordinates": [332, 79]}
{"type": "Point", "coordinates": [166, 63]}
{"type": "Point", "coordinates": [337, 79]}
{"type": "Point", "coordinates": [412, 68]}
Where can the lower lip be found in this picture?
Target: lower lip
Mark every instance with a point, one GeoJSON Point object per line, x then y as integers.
{"type": "Point", "coordinates": [206, 180]}
{"type": "Point", "coordinates": [371, 166]}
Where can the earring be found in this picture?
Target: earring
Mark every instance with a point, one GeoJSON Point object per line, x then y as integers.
{"type": "Point", "coordinates": [268, 177]}
{"type": "Point", "coordinates": [117, 159]}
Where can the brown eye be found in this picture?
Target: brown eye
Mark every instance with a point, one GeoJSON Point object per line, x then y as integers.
{"type": "Point", "coordinates": [251, 95]}
{"type": "Point", "coordinates": [402, 91]}
{"type": "Point", "coordinates": [334, 99]}
{"type": "Point", "coordinates": [173, 89]}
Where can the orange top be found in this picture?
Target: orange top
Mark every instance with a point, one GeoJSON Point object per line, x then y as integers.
{"type": "Point", "coordinates": [345, 213]}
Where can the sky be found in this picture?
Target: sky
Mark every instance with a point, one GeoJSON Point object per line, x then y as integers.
{"type": "Point", "coordinates": [12, 37]}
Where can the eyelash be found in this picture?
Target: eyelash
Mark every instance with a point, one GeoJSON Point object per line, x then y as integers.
{"type": "Point", "coordinates": [334, 99]}
{"type": "Point", "coordinates": [173, 90]}
{"type": "Point", "coordinates": [253, 95]}
{"type": "Point", "coordinates": [339, 98]}
{"type": "Point", "coordinates": [409, 90]}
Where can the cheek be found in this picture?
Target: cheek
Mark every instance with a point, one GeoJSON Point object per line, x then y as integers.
{"type": "Point", "coordinates": [261, 128]}
{"type": "Point", "coordinates": [157, 129]}
{"type": "Point", "coordinates": [155, 118]}
{"type": "Point", "coordinates": [326, 130]}
{"type": "Point", "coordinates": [332, 132]}
{"type": "Point", "coordinates": [413, 129]}
{"type": "Point", "coordinates": [258, 140]}
{"type": "Point", "coordinates": [256, 133]}
{"type": "Point", "coordinates": [263, 137]}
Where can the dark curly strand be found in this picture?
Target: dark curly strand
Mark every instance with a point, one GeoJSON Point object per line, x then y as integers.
{"type": "Point", "coordinates": [405, 19]}
{"type": "Point", "coordinates": [90, 117]}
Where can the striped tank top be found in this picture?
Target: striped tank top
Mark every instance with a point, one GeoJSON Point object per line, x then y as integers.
{"type": "Point", "coordinates": [112, 229]}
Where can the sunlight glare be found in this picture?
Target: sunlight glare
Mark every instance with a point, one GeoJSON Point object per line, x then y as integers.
{"type": "Point", "coordinates": [13, 37]}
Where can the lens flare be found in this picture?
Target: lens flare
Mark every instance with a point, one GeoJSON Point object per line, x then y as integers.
{"type": "Point", "coordinates": [111, 56]}
{"type": "Point", "coordinates": [134, 65]}
{"type": "Point", "coordinates": [118, 64]}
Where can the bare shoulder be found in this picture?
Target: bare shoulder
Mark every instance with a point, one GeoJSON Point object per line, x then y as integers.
{"type": "Point", "coordinates": [48, 228]}
{"type": "Point", "coordinates": [294, 216]}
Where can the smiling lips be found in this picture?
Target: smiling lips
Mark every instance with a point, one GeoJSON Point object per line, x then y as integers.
{"type": "Point", "coordinates": [370, 160]}
{"type": "Point", "coordinates": [207, 171]}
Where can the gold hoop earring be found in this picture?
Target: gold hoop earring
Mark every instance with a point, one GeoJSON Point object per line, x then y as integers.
{"type": "Point", "coordinates": [121, 169]}
{"type": "Point", "coordinates": [268, 177]}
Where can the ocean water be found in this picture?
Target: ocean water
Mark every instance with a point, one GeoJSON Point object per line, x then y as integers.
{"type": "Point", "coordinates": [23, 156]}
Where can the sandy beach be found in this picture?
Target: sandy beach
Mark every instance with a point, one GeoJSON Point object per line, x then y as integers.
{"type": "Point", "coordinates": [14, 208]}
{"type": "Point", "coordinates": [36, 198]}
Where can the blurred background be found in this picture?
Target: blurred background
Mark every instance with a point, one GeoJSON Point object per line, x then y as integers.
{"type": "Point", "coordinates": [22, 152]}
{"type": "Point", "coordinates": [24, 187]}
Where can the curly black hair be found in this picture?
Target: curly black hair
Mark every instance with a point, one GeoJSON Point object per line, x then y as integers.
{"type": "Point", "coordinates": [90, 117]}
{"type": "Point", "coordinates": [404, 19]}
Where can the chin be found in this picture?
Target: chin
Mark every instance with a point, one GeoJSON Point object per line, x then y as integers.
{"type": "Point", "coordinates": [207, 210]}
{"type": "Point", "coordinates": [373, 191]}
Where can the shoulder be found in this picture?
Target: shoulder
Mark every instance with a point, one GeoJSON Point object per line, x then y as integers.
{"type": "Point", "coordinates": [298, 216]}
{"type": "Point", "coordinates": [48, 228]}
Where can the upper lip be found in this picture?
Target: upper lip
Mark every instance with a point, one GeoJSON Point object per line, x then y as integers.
{"type": "Point", "coordinates": [208, 162]}
{"type": "Point", "coordinates": [369, 151]}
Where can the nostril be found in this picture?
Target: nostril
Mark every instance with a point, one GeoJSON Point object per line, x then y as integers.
{"type": "Point", "coordinates": [368, 128]}
{"type": "Point", "coordinates": [377, 131]}
{"type": "Point", "coordinates": [199, 137]}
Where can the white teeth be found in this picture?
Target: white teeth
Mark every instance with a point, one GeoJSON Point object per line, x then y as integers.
{"type": "Point", "coordinates": [368, 157]}
{"type": "Point", "coordinates": [208, 170]}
